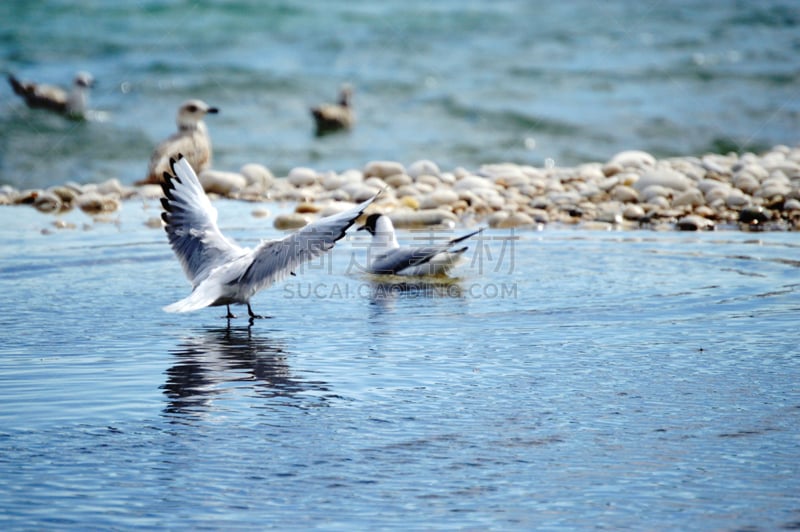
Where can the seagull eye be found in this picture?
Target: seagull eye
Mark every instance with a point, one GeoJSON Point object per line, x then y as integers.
{"type": "Point", "coordinates": [192, 108]}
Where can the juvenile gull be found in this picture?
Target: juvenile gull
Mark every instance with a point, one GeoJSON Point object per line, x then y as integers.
{"type": "Point", "coordinates": [191, 140]}
{"type": "Point", "coordinates": [387, 257]}
{"type": "Point", "coordinates": [74, 103]}
{"type": "Point", "coordinates": [221, 272]}
{"type": "Point", "coordinates": [331, 117]}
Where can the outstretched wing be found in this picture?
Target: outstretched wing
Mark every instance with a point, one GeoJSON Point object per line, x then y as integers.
{"type": "Point", "coordinates": [191, 224]}
{"type": "Point", "coordinates": [275, 259]}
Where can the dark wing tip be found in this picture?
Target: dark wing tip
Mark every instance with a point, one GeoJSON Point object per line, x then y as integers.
{"type": "Point", "coordinates": [173, 161]}
{"type": "Point", "coordinates": [468, 235]}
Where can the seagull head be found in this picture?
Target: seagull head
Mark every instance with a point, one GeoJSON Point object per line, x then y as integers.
{"type": "Point", "coordinates": [83, 79]}
{"type": "Point", "coordinates": [346, 95]}
{"type": "Point", "coordinates": [377, 223]}
{"type": "Point", "coordinates": [191, 113]}
{"type": "Point", "coordinates": [370, 224]}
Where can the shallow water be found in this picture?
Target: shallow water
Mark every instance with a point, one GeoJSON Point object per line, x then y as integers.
{"type": "Point", "coordinates": [461, 84]}
{"type": "Point", "coordinates": [566, 379]}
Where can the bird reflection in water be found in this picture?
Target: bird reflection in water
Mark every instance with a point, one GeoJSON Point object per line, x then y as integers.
{"type": "Point", "coordinates": [222, 362]}
{"type": "Point", "coordinates": [386, 289]}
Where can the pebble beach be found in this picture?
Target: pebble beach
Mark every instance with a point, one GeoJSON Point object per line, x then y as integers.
{"type": "Point", "coordinates": [631, 190]}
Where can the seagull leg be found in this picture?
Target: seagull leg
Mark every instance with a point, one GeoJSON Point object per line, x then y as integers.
{"type": "Point", "coordinates": [253, 315]}
{"type": "Point", "coordinates": [231, 315]}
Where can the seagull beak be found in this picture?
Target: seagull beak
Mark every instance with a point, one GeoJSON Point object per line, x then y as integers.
{"type": "Point", "coordinates": [212, 110]}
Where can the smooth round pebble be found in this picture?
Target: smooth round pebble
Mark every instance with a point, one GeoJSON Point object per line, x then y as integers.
{"type": "Point", "coordinates": [624, 194]}
{"type": "Point", "coordinates": [291, 221]}
{"type": "Point", "coordinates": [633, 212]}
{"type": "Point", "coordinates": [610, 214]}
{"type": "Point", "coordinates": [257, 174]}
{"type": "Point", "coordinates": [360, 192]}
{"type": "Point", "coordinates": [423, 218]}
{"type": "Point", "coordinates": [63, 224]}
{"type": "Point", "coordinates": [383, 169]}
{"type": "Point", "coordinates": [690, 198]}
{"type": "Point", "coordinates": [663, 177]}
{"type": "Point", "coordinates": [423, 167]}
{"type": "Point", "coordinates": [94, 204]}
{"type": "Point", "coordinates": [472, 182]}
{"type": "Point", "coordinates": [302, 177]}
{"type": "Point", "coordinates": [506, 220]}
{"type": "Point", "coordinates": [111, 186]}
{"type": "Point", "coordinates": [333, 181]}
{"type": "Point", "coordinates": [438, 198]}
{"type": "Point", "coordinates": [398, 180]}
{"type": "Point", "coordinates": [693, 222]}
{"type": "Point", "coordinates": [737, 199]}
{"type": "Point", "coordinates": [47, 202]}
{"type": "Point", "coordinates": [792, 205]}
{"type": "Point", "coordinates": [753, 215]}
{"type": "Point", "coordinates": [632, 159]}
{"type": "Point", "coordinates": [410, 201]}
{"type": "Point", "coordinates": [306, 207]}
{"type": "Point", "coordinates": [222, 183]}
{"type": "Point", "coordinates": [65, 194]}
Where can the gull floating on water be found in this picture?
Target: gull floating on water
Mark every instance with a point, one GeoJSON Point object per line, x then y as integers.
{"type": "Point", "coordinates": [40, 96]}
{"type": "Point", "coordinates": [191, 140]}
{"type": "Point", "coordinates": [221, 272]}
{"type": "Point", "coordinates": [331, 117]}
{"type": "Point", "coordinates": [387, 257]}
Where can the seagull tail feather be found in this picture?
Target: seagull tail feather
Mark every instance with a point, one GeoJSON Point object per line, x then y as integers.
{"type": "Point", "coordinates": [199, 298]}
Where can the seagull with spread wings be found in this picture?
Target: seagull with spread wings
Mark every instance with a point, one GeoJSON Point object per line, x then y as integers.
{"type": "Point", "coordinates": [221, 272]}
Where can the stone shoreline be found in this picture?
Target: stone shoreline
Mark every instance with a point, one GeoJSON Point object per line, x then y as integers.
{"type": "Point", "coordinates": [631, 190]}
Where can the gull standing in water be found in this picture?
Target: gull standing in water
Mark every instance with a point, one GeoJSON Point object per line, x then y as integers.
{"type": "Point", "coordinates": [387, 257]}
{"type": "Point", "coordinates": [221, 272]}
{"type": "Point", "coordinates": [191, 140]}
{"type": "Point", "coordinates": [74, 103]}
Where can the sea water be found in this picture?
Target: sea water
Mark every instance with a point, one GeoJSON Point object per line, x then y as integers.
{"type": "Point", "coordinates": [460, 83]}
{"type": "Point", "coordinates": [562, 379]}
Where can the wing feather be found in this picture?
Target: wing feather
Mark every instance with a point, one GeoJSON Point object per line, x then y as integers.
{"type": "Point", "coordinates": [397, 260]}
{"type": "Point", "coordinates": [276, 259]}
{"type": "Point", "coordinates": [191, 224]}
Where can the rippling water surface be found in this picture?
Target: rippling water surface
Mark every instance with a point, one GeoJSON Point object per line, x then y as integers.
{"type": "Point", "coordinates": [566, 379]}
{"type": "Point", "coordinates": [461, 83]}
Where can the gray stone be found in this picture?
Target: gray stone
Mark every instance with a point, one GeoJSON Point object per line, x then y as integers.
{"type": "Point", "coordinates": [664, 177]}
{"type": "Point", "coordinates": [222, 183]}
{"type": "Point", "coordinates": [632, 159]}
{"type": "Point", "coordinates": [690, 198]}
{"type": "Point", "coordinates": [423, 167]}
{"type": "Point", "coordinates": [302, 177]}
{"type": "Point", "coordinates": [291, 221]}
{"type": "Point", "coordinates": [693, 222]}
{"type": "Point", "coordinates": [383, 169]}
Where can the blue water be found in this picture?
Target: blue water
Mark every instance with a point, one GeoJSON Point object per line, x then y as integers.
{"type": "Point", "coordinates": [461, 83]}
{"type": "Point", "coordinates": [566, 380]}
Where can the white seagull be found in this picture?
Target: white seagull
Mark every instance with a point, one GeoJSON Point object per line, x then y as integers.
{"type": "Point", "coordinates": [74, 103]}
{"type": "Point", "coordinates": [221, 272]}
{"type": "Point", "coordinates": [191, 140]}
{"type": "Point", "coordinates": [385, 256]}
